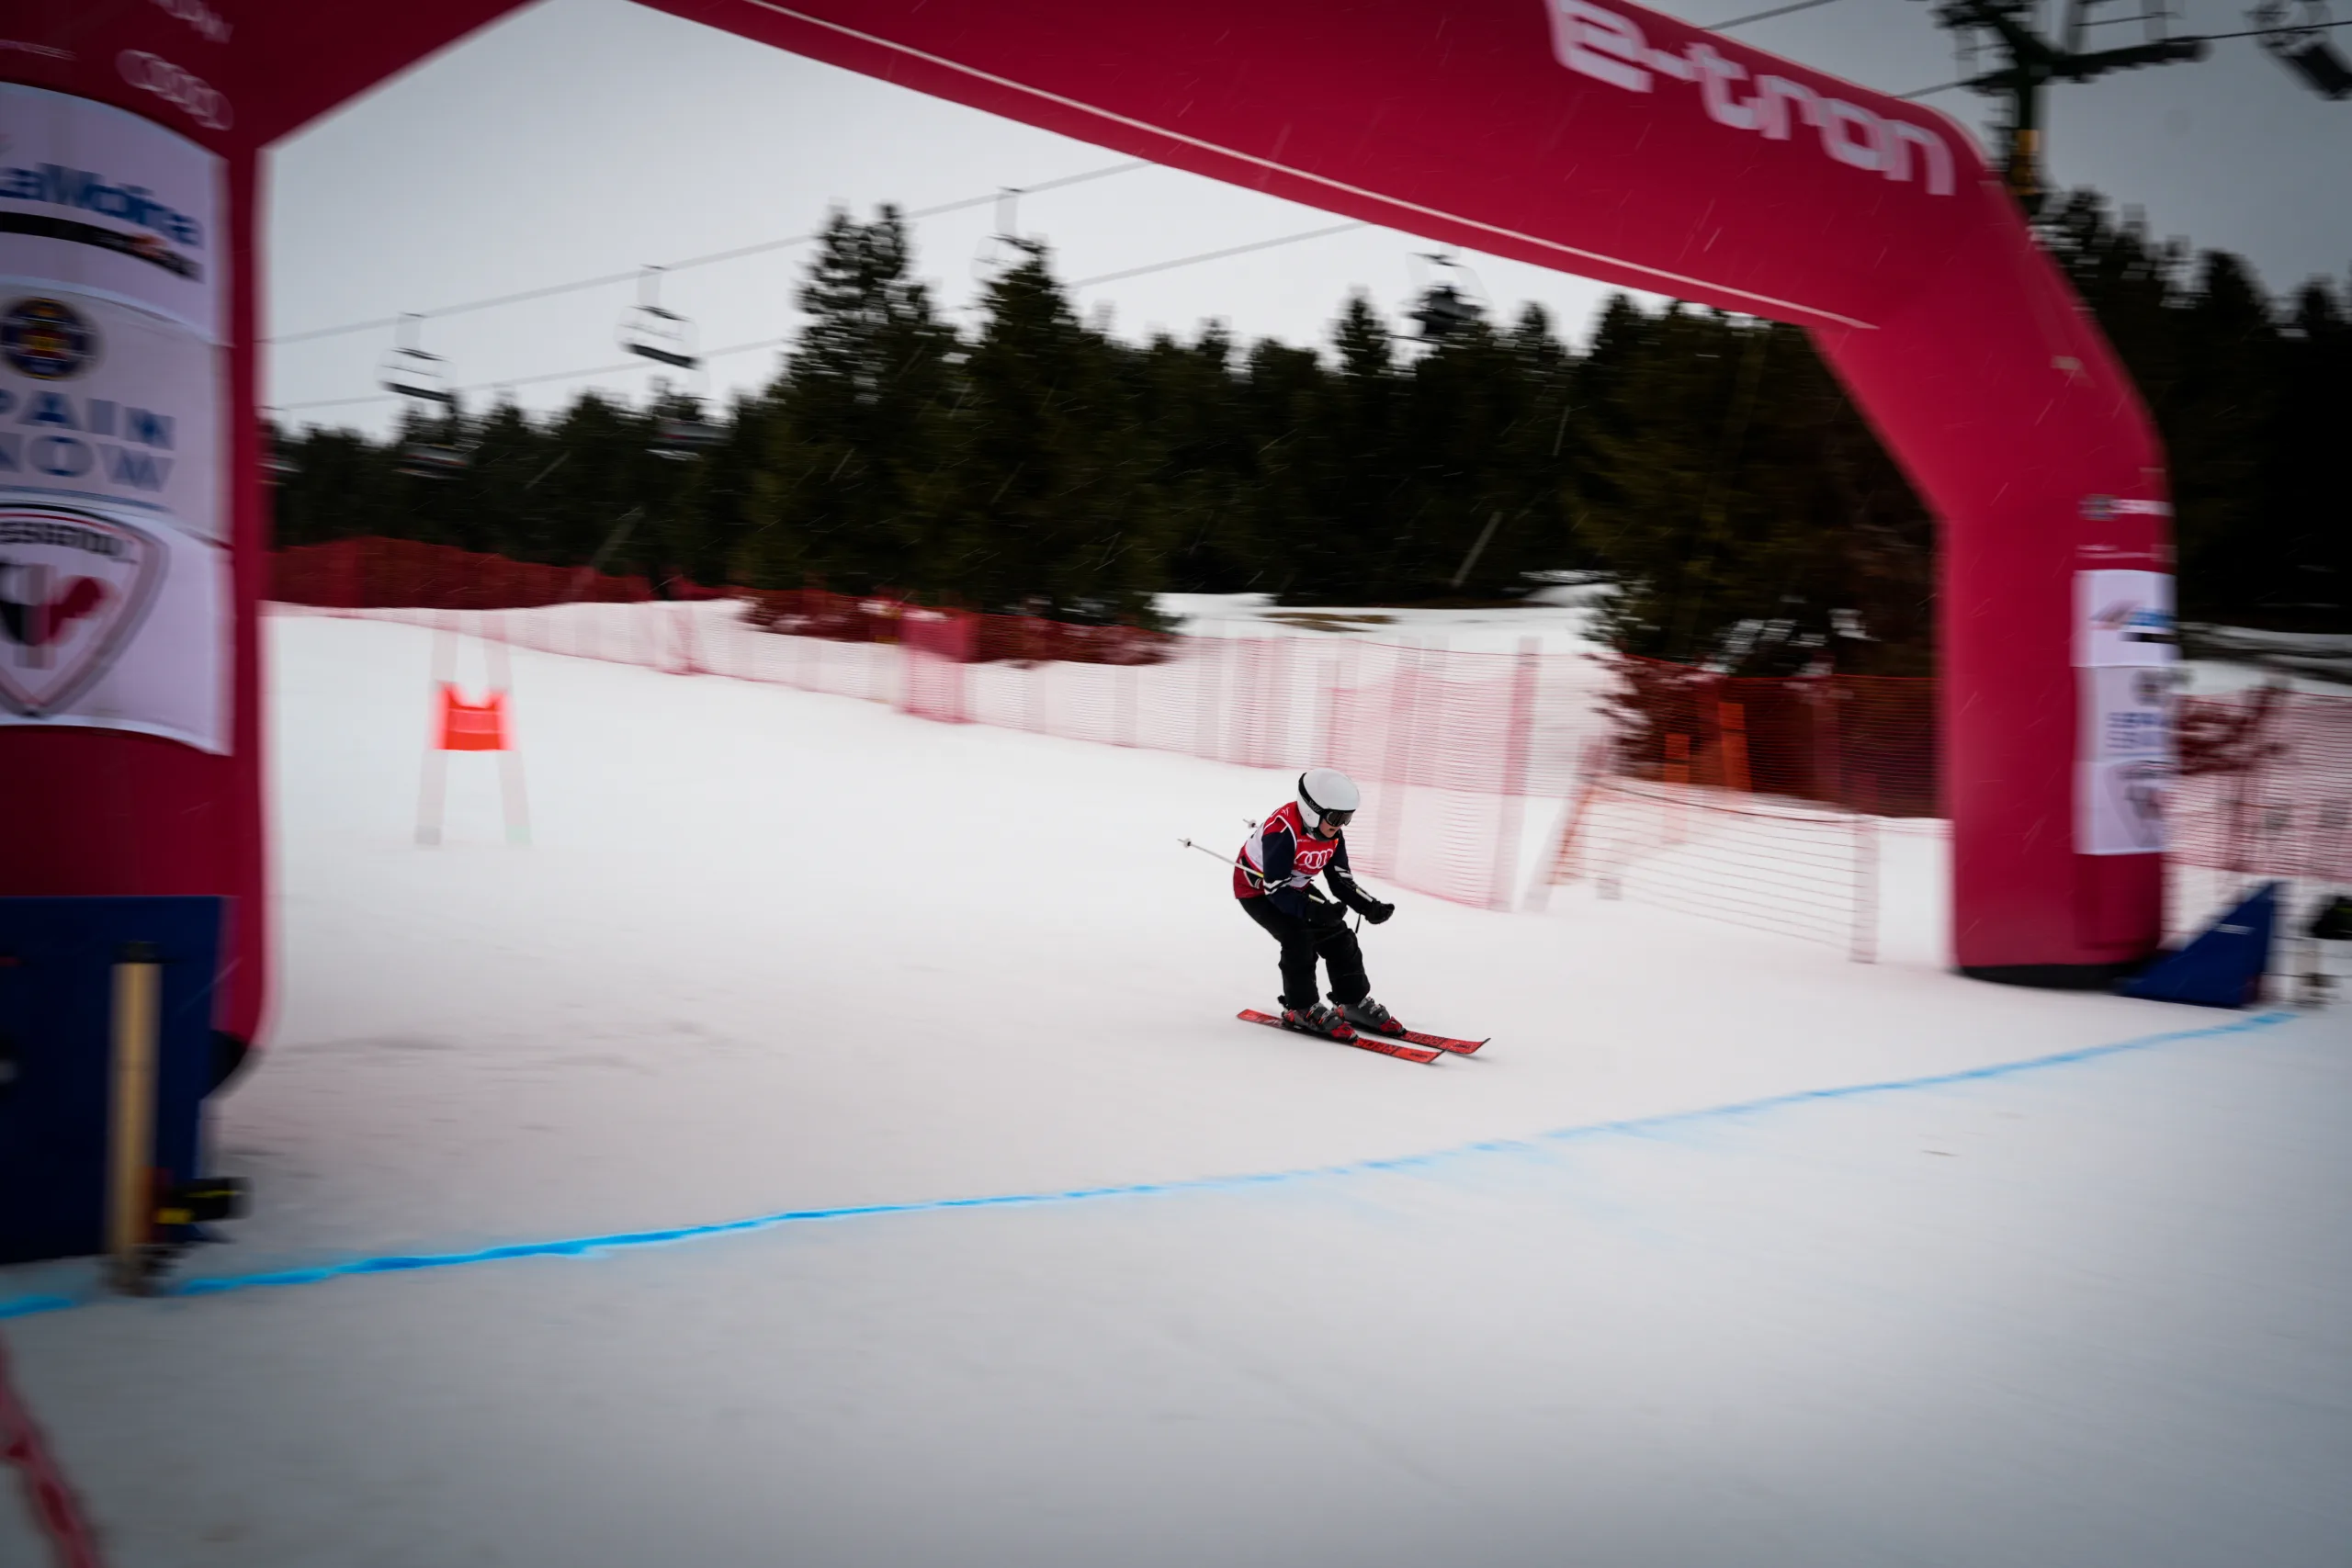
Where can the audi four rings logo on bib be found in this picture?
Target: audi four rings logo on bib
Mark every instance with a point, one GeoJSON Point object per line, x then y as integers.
{"type": "Point", "coordinates": [199, 100]}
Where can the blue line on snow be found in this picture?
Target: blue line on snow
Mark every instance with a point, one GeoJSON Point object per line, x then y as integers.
{"type": "Point", "coordinates": [586, 1247]}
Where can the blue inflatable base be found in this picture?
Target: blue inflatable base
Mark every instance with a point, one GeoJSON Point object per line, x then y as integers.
{"type": "Point", "coordinates": [2220, 968]}
{"type": "Point", "coordinates": [57, 958]}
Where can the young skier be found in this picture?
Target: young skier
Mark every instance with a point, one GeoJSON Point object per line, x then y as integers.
{"type": "Point", "coordinates": [1273, 878]}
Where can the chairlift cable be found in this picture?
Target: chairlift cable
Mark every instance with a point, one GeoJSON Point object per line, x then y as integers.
{"type": "Point", "coordinates": [1216, 255]}
{"type": "Point", "coordinates": [607, 279]}
{"type": "Point", "coordinates": [1763, 16]}
{"type": "Point", "coordinates": [781, 341]}
{"type": "Point", "coordinates": [2184, 37]}
{"type": "Point", "coordinates": [2266, 32]}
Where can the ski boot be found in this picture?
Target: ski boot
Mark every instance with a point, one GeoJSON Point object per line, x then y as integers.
{"type": "Point", "coordinates": [1317, 1018]}
{"type": "Point", "coordinates": [1370, 1018]}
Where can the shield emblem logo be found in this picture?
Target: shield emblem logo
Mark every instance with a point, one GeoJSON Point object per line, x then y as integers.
{"type": "Point", "coordinates": [75, 586]}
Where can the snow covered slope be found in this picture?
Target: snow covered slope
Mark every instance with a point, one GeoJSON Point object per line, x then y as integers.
{"type": "Point", "coordinates": [771, 951]}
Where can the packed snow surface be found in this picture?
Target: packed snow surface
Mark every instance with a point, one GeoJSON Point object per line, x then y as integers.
{"type": "Point", "coordinates": [1621, 1290]}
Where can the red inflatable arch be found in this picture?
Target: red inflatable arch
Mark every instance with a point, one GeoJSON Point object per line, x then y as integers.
{"type": "Point", "coordinates": [1590, 137]}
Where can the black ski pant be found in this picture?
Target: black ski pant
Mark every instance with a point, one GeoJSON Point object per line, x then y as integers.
{"type": "Point", "coordinates": [1302, 943]}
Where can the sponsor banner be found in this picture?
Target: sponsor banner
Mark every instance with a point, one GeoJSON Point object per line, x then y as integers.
{"type": "Point", "coordinates": [111, 619]}
{"type": "Point", "coordinates": [102, 403]}
{"type": "Point", "coordinates": [2125, 766]}
{"type": "Point", "coordinates": [2120, 807]}
{"type": "Point", "coordinates": [2123, 617]}
{"type": "Point", "coordinates": [95, 200]}
{"type": "Point", "coordinates": [116, 602]}
{"type": "Point", "coordinates": [2125, 651]}
{"type": "Point", "coordinates": [2108, 508]}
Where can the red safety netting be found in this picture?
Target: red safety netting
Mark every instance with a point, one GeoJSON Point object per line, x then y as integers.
{"type": "Point", "coordinates": [1772, 865]}
{"type": "Point", "coordinates": [1702, 804]}
{"type": "Point", "coordinates": [885, 617]}
{"type": "Point", "coordinates": [2265, 784]}
{"type": "Point", "coordinates": [373, 573]}
{"type": "Point", "coordinates": [1744, 799]}
{"type": "Point", "coordinates": [2265, 794]}
{"type": "Point", "coordinates": [936, 645]}
{"type": "Point", "coordinates": [1451, 745]}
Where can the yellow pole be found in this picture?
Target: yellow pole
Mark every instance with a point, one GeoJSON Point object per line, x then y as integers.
{"type": "Point", "coordinates": [130, 1198]}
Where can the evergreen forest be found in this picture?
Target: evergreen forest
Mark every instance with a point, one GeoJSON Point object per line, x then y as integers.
{"type": "Point", "coordinates": [1709, 465]}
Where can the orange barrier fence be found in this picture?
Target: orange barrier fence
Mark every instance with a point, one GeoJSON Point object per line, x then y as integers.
{"type": "Point", "coordinates": [1866, 743]}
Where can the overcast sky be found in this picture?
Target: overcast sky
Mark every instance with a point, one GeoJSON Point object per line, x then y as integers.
{"type": "Point", "coordinates": [582, 138]}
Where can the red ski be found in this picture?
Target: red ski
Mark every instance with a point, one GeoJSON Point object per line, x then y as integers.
{"type": "Point", "coordinates": [1435, 1041]}
{"type": "Point", "coordinates": [1379, 1042]}
{"type": "Point", "coordinates": [1438, 1042]}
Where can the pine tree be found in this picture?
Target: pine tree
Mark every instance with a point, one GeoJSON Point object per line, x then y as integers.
{"type": "Point", "coordinates": [1484, 497]}
{"type": "Point", "coordinates": [2213, 422]}
{"type": "Point", "coordinates": [1054, 509]}
{"type": "Point", "coordinates": [1281, 397]}
{"type": "Point", "coordinates": [855, 430]}
{"type": "Point", "coordinates": [1356, 534]}
{"type": "Point", "coordinates": [342, 487]}
{"type": "Point", "coordinates": [1192, 399]}
{"type": "Point", "coordinates": [1751, 517]}
{"type": "Point", "coordinates": [2305, 503]}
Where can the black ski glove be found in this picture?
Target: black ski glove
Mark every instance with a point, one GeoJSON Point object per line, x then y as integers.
{"type": "Point", "coordinates": [1375, 912]}
{"type": "Point", "coordinates": [1321, 912]}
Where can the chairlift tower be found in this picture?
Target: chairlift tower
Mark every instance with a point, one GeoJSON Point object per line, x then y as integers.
{"type": "Point", "coordinates": [2031, 62]}
{"type": "Point", "coordinates": [2293, 32]}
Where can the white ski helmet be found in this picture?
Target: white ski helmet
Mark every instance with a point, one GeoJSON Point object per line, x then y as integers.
{"type": "Point", "coordinates": [1326, 792]}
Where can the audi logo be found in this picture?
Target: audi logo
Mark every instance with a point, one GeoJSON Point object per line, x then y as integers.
{"type": "Point", "coordinates": [201, 102]}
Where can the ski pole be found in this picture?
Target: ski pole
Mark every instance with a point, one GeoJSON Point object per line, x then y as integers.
{"type": "Point", "coordinates": [1247, 869]}
{"type": "Point", "coordinates": [1252, 872]}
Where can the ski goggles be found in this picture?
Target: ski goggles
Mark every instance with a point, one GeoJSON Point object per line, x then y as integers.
{"type": "Point", "coordinates": [1336, 818]}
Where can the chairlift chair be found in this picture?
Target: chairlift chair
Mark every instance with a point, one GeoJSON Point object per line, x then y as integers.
{"type": "Point", "coordinates": [1003, 249]}
{"type": "Point", "coordinates": [277, 465]}
{"type": "Point", "coordinates": [418, 380]}
{"type": "Point", "coordinates": [433, 460]}
{"type": "Point", "coordinates": [663, 336]}
{"type": "Point", "coordinates": [417, 376]}
{"type": "Point", "coordinates": [2303, 47]}
{"type": "Point", "coordinates": [666, 337]}
{"type": "Point", "coordinates": [651, 333]}
{"type": "Point", "coordinates": [1444, 311]}
{"type": "Point", "coordinates": [685, 440]}
{"type": "Point", "coordinates": [409, 373]}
